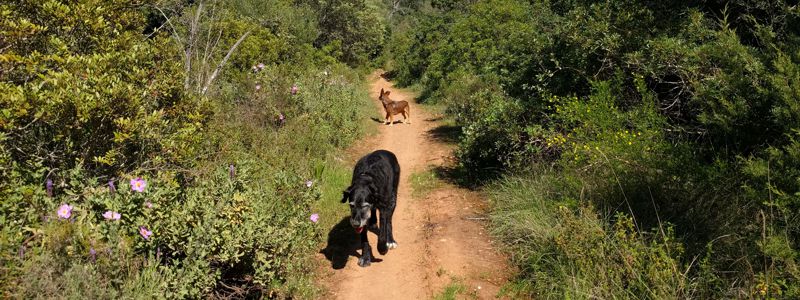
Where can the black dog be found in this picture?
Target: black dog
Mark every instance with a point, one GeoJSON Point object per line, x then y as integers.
{"type": "Point", "coordinates": [374, 187]}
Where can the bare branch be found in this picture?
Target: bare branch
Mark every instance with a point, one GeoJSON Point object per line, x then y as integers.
{"type": "Point", "coordinates": [211, 44]}
{"type": "Point", "coordinates": [190, 45]}
{"type": "Point", "coordinates": [174, 31]}
{"type": "Point", "coordinates": [222, 63]}
{"type": "Point", "coordinates": [209, 54]}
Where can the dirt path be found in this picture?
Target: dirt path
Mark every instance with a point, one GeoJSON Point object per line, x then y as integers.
{"type": "Point", "coordinates": [439, 237]}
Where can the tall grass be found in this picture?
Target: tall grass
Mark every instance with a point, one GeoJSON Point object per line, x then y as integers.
{"type": "Point", "coordinates": [565, 250]}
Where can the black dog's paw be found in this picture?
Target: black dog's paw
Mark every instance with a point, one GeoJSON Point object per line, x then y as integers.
{"type": "Point", "coordinates": [364, 261]}
{"type": "Point", "coordinates": [392, 245]}
{"type": "Point", "coordinates": [382, 248]}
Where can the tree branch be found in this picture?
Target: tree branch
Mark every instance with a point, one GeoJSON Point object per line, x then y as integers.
{"type": "Point", "coordinates": [222, 63]}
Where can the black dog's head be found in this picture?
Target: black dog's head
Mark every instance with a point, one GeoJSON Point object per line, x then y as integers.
{"type": "Point", "coordinates": [360, 195]}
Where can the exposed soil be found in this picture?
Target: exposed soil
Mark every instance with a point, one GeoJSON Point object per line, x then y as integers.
{"type": "Point", "coordinates": [440, 237]}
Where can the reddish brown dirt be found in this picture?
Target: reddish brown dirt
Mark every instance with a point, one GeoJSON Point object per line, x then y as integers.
{"type": "Point", "coordinates": [440, 237]}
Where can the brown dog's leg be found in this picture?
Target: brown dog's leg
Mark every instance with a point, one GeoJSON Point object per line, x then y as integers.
{"type": "Point", "coordinates": [391, 119]}
{"type": "Point", "coordinates": [407, 115]}
{"type": "Point", "coordinates": [386, 118]}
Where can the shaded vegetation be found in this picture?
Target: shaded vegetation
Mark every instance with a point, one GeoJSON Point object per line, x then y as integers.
{"type": "Point", "coordinates": [635, 149]}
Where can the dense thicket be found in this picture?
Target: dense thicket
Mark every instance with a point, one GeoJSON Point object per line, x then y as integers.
{"type": "Point", "coordinates": [171, 149]}
{"type": "Point", "coordinates": [655, 142]}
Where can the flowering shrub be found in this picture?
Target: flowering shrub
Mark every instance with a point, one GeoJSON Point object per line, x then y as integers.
{"type": "Point", "coordinates": [217, 231]}
{"type": "Point", "coordinates": [116, 182]}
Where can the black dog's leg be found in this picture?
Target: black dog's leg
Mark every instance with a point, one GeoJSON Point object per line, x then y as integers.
{"type": "Point", "coordinates": [390, 243]}
{"type": "Point", "coordinates": [366, 251]}
{"type": "Point", "coordinates": [373, 219]}
{"type": "Point", "coordinates": [385, 238]}
{"type": "Point", "coordinates": [382, 247]}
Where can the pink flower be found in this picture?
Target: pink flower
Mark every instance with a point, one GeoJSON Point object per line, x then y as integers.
{"type": "Point", "coordinates": [294, 89]}
{"type": "Point", "coordinates": [260, 66]}
{"type": "Point", "coordinates": [138, 184]}
{"type": "Point", "coordinates": [148, 204]}
{"type": "Point", "coordinates": [314, 218]}
{"type": "Point", "coordinates": [145, 233]}
{"type": "Point", "coordinates": [258, 87]}
{"type": "Point", "coordinates": [64, 211]}
{"type": "Point", "coordinates": [309, 183]}
{"type": "Point", "coordinates": [111, 215]}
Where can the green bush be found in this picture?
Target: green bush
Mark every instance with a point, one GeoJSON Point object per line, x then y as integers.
{"type": "Point", "coordinates": [232, 175]}
{"type": "Point", "coordinates": [666, 112]}
{"type": "Point", "coordinates": [252, 231]}
{"type": "Point", "coordinates": [71, 98]}
{"type": "Point", "coordinates": [350, 30]}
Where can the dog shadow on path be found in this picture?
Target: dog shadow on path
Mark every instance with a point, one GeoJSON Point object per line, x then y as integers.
{"type": "Point", "coordinates": [381, 121]}
{"type": "Point", "coordinates": [342, 243]}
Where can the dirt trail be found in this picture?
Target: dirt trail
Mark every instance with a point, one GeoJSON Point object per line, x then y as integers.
{"type": "Point", "coordinates": [439, 237]}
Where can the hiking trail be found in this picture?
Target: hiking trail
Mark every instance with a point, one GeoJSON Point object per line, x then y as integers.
{"type": "Point", "coordinates": [441, 238]}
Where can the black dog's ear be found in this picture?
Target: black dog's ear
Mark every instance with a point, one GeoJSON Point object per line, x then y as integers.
{"type": "Point", "coordinates": [346, 194]}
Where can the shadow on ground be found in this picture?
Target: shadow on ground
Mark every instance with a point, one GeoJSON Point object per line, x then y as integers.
{"type": "Point", "coordinates": [342, 243]}
{"type": "Point", "coordinates": [446, 133]}
{"type": "Point", "coordinates": [465, 177]}
{"type": "Point", "coordinates": [388, 75]}
{"type": "Point", "coordinates": [381, 121]}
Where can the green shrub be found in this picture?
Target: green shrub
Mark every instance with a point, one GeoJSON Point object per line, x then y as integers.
{"type": "Point", "coordinates": [71, 98]}
{"type": "Point", "coordinates": [668, 113]}
{"type": "Point", "coordinates": [252, 231]}
{"type": "Point", "coordinates": [350, 30]}
{"type": "Point", "coordinates": [230, 186]}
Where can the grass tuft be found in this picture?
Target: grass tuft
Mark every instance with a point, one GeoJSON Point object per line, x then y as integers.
{"type": "Point", "coordinates": [425, 182]}
{"type": "Point", "coordinates": [455, 289]}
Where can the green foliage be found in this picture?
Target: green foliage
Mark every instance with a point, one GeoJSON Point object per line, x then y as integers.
{"type": "Point", "coordinates": [423, 183]}
{"type": "Point", "coordinates": [97, 92]}
{"type": "Point", "coordinates": [353, 30]}
{"type": "Point", "coordinates": [412, 47]}
{"type": "Point", "coordinates": [666, 112]}
{"type": "Point", "coordinates": [455, 290]}
{"type": "Point", "coordinates": [568, 252]}
{"type": "Point", "coordinates": [73, 99]}
{"type": "Point", "coordinates": [295, 21]}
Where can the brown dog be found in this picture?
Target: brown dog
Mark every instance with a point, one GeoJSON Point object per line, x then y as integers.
{"type": "Point", "coordinates": [394, 107]}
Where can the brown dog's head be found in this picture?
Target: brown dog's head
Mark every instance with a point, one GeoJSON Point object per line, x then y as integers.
{"type": "Point", "coordinates": [384, 97]}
